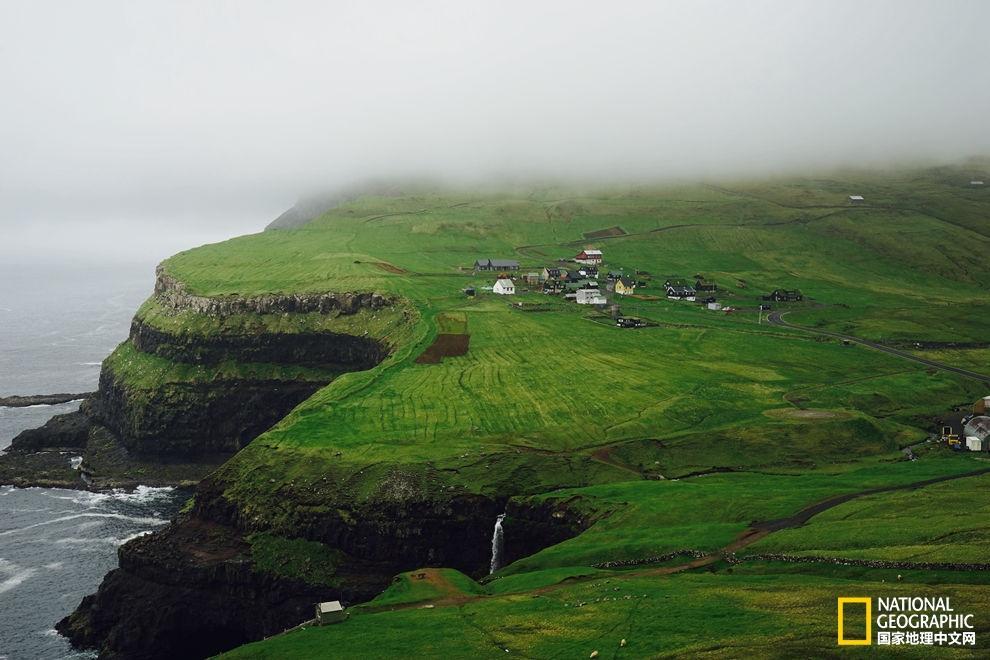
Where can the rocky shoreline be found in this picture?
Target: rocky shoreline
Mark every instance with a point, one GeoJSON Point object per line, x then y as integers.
{"type": "Point", "coordinates": [17, 401]}
{"type": "Point", "coordinates": [197, 587]}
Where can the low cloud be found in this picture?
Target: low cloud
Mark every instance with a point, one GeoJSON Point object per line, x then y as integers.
{"type": "Point", "coordinates": [172, 116]}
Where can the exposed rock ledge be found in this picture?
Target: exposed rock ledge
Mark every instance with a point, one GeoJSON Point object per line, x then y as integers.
{"type": "Point", "coordinates": [40, 399]}
{"type": "Point", "coordinates": [173, 295]}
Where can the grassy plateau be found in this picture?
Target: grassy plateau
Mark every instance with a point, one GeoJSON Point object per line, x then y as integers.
{"type": "Point", "coordinates": [674, 438]}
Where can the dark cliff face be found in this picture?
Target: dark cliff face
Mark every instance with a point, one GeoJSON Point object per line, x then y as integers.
{"type": "Point", "coordinates": [187, 592]}
{"type": "Point", "coordinates": [423, 529]}
{"type": "Point", "coordinates": [530, 527]}
{"type": "Point", "coordinates": [330, 350]}
{"type": "Point", "coordinates": [190, 590]}
{"type": "Point", "coordinates": [186, 419]}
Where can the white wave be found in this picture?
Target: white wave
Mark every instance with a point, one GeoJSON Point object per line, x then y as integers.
{"type": "Point", "coordinates": [75, 462]}
{"type": "Point", "coordinates": [17, 575]}
{"type": "Point", "coordinates": [55, 565]}
{"type": "Point", "coordinates": [115, 516]}
{"type": "Point", "coordinates": [134, 536]}
{"type": "Point", "coordinates": [89, 364]}
{"type": "Point", "coordinates": [141, 494]}
{"type": "Point", "coordinates": [90, 542]}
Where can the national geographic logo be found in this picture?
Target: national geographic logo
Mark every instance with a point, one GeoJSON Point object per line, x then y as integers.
{"type": "Point", "coordinates": [903, 621]}
{"type": "Point", "coordinates": [868, 602]}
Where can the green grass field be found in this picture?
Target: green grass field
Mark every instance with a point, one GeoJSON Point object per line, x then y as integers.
{"type": "Point", "coordinates": [560, 406]}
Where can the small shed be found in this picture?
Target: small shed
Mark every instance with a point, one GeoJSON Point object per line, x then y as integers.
{"type": "Point", "coordinates": [856, 199]}
{"type": "Point", "coordinates": [975, 444]}
{"type": "Point", "coordinates": [715, 306]}
{"type": "Point", "coordinates": [330, 612]}
{"type": "Point", "coordinates": [982, 406]}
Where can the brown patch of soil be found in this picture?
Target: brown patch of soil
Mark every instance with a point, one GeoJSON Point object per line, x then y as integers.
{"type": "Point", "coordinates": [444, 346]}
{"type": "Point", "coordinates": [606, 233]}
{"type": "Point", "coordinates": [389, 268]}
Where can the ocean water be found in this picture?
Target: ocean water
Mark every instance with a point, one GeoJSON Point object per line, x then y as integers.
{"type": "Point", "coordinates": [57, 322]}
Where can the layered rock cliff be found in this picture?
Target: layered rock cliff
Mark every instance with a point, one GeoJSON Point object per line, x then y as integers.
{"type": "Point", "coordinates": [196, 588]}
{"type": "Point", "coordinates": [202, 585]}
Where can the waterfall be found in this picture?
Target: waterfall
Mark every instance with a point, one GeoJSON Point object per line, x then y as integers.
{"type": "Point", "coordinates": [497, 544]}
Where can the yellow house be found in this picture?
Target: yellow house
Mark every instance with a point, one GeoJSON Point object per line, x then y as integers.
{"type": "Point", "coordinates": [624, 286]}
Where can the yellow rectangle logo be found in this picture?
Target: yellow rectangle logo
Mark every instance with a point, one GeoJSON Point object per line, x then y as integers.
{"type": "Point", "coordinates": [869, 618]}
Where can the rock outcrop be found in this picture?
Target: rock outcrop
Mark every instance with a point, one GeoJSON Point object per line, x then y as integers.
{"type": "Point", "coordinates": [68, 431]}
{"type": "Point", "coordinates": [173, 294]}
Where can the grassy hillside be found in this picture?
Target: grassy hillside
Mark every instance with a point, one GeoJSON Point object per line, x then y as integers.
{"type": "Point", "coordinates": [559, 407]}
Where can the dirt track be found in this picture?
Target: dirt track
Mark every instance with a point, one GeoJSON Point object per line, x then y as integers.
{"type": "Point", "coordinates": [776, 318]}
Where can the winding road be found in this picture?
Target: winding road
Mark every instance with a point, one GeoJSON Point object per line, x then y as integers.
{"type": "Point", "coordinates": [776, 318]}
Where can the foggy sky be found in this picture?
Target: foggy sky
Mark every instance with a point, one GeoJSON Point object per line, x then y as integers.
{"type": "Point", "coordinates": [209, 118]}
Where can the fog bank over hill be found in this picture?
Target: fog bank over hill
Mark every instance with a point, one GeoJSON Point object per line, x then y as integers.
{"type": "Point", "coordinates": [212, 118]}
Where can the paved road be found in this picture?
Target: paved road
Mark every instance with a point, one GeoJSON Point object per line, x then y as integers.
{"type": "Point", "coordinates": [776, 318]}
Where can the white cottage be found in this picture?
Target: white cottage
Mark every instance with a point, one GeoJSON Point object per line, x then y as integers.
{"type": "Point", "coordinates": [504, 287]}
{"type": "Point", "coordinates": [590, 297]}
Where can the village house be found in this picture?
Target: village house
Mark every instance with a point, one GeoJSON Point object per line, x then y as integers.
{"type": "Point", "coordinates": [550, 273]}
{"type": "Point", "coordinates": [531, 278]}
{"type": "Point", "coordinates": [504, 287]}
{"type": "Point", "coordinates": [589, 297]}
{"type": "Point", "coordinates": [589, 257]}
{"type": "Point", "coordinates": [630, 322]}
{"type": "Point", "coordinates": [678, 292]}
{"type": "Point", "coordinates": [613, 275]}
{"type": "Point", "coordinates": [588, 271]}
{"type": "Point", "coordinates": [496, 264]}
{"type": "Point", "coordinates": [678, 289]}
{"type": "Point", "coordinates": [701, 284]}
{"type": "Point", "coordinates": [785, 295]}
{"type": "Point", "coordinates": [625, 286]}
{"type": "Point", "coordinates": [553, 287]}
